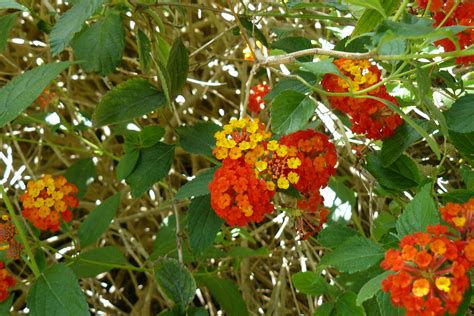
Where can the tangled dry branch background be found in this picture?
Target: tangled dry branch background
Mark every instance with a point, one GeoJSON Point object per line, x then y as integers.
{"type": "Point", "coordinates": [215, 90]}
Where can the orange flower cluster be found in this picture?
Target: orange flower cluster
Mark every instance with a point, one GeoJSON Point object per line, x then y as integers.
{"type": "Point", "coordinates": [463, 15]}
{"type": "Point", "coordinates": [7, 239]}
{"type": "Point", "coordinates": [430, 272]}
{"type": "Point", "coordinates": [368, 116]}
{"type": "Point", "coordinates": [460, 216]}
{"type": "Point", "coordinates": [254, 167]}
{"type": "Point", "coordinates": [47, 200]}
{"type": "Point", "coordinates": [237, 195]}
{"type": "Point", "coordinates": [6, 282]}
{"type": "Point", "coordinates": [256, 103]}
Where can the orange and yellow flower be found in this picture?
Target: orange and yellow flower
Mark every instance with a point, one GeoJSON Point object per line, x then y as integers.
{"type": "Point", "coordinates": [47, 200]}
{"type": "Point", "coordinates": [6, 282]}
{"type": "Point", "coordinates": [460, 216]}
{"type": "Point", "coordinates": [256, 103]}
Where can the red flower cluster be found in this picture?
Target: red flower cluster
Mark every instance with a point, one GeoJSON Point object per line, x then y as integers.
{"type": "Point", "coordinates": [460, 216]}
{"type": "Point", "coordinates": [6, 282]}
{"type": "Point", "coordinates": [463, 15]}
{"type": "Point", "coordinates": [237, 195]}
{"type": "Point", "coordinates": [430, 273]}
{"type": "Point", "coordinates": [368, 116]}
{"type": "Point", "coordinates": [253, 168]}
{"type": "Point", "coordinates": [45, 98]}
{"type": "Point", "coordinates": [7, 239]}
{"type": "Point", "coordinates": [256, 103]}
{"type": "Point", "coordinates": [48, 199]}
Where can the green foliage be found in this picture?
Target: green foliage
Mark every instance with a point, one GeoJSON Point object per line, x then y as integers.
{"type": "Point", "coordinates": [128, 100]}
{"type": "Point", "coordinates": [198, 186]}
{"type": "Point", "coordinates": [402, 174]}
{"type": "Point", "coordinates": [10, 4]}
{"type": "Point", "coordinates": [165, 238]}
{"type": "Point", "coordinates": [371, 288]}
{"type": "Point", "coordinates": [199, 138]}
{"type": "Point", "coordinates": [176, 281]}
{"type": "Point", "coordinates": [371, 17]}
{"type": "Point", "coordinates": [393, 147]}
{"type": "Point", "coordinates": [127, 163]}
{"type": "Point", "coordinates": [354, 254]}
{"type": "Point", "coordinates": [56, 292]}
{"type": "Point", "coordinates": [290, 112]}
{"type": "Point", "coordinates": [20, 92]}
{"type": "Point", "coordinates": [335, 234]}
{"type": "Point", "coordinates": [97, 222]}
{"type": "Point", "coordinates": [99, 260]}
{"type": "Point", "coordinates": [419, 213]}
{"type": "Point", "coordinates": [225, 293]}
{"type": "Point", "coordinates": [70, 23]}
{"type": "Point", "coordinates": [293, 44]}
{"type": "Point", "coordinates": [6, 24]}
{"type": "Point", "coordinates": [320, 68]}
{"type": "Point", "coordinates": [459, 117]}
{"type": "Point", "coordinates": [346, 305]}
{"type": "Point", "coordinates": [386, 307]}
{"type": "Point", "coordinates": [81, 173]}
{"type": "Point", "coordinates": [178, 66]}
{"type": "Point", "coordinates": [101, 45]}
{"type": "Point", "coordinates": [203, 224]}
{"type": "Point", "coordinates": [370, 4]}
{"type": "Point", "coordinates": [292, 84]}
{"type": "Point", "coordinates": [144, 50]}
{"type": "Point", "coordinates": [309, 283]}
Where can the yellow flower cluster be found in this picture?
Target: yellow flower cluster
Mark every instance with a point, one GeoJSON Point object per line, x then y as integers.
{"type": "Point", "coordinates": [240, 137]}
{"type": "Point", "coordinates": [360, 72]}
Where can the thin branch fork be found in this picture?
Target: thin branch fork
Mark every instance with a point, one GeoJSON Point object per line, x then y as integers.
{"type": "Point", "coordinates": [290, 58]}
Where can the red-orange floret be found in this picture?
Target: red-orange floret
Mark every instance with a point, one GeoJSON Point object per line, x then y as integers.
{"type": "Point", "coordinates": [7, 238]}
{"type": "Point", "coordinates": [6, 282]}
{"type": "Point", "coordinates": [47, 200]}
{"type": "Point", "coordinates": [237, 195]}
{"type": "Point", "coordinates": [368, 116]}
{"type": "Point", "coordinates": [430, 273]}
{"type": "Point", "coordinates": [256, 103]}
{"type": "Point", "coordinates": [460, 216]}
{"type": "Point", "coordinates": [318, 160]}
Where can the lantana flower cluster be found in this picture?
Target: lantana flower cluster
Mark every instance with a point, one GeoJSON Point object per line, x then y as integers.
{"type": "Point", "coordinates": [368, 116]}
{"type": "Point", "coordinates": [254, 167]}
{"type": "Point", "coordinates": [47, 200]}
{"type": "Point", "coordinates": [256, 102]}
{"type": "Point", "coordinates": [463, 14]}
{"type": "Point", "coordinates": [7, 282]}
{"type": "Point", "coordinates": [431, 268]}
{"type": "Point", "coordinates": [8, 242]}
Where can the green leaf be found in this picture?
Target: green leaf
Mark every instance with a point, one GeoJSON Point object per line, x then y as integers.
{"type": "Point", "coordinates": [458, 196]}
{"type": "Point", "coordinates": [226, 294]}
{"type": "Point", "coordinates": [419, 213]}
{"type": "Point", "coordinates": [400, 175]}
{"type": "Point", "coordinates": [203, 224]}
{"type": "Point", "coordinates": [128, 100]}
{"type": "Point", "coordinates": [81, 173]}
{"type": "Point", "coordinates": [198, 186]}
{"type": "Point", "coordinates": [70, 23]}
{"type": "Point", "coordinates": [309, 283]}
{"type": "Point", "coordinates": [394, 146]}
{"type": "Point", "coordinates": [9, 4]}
{"type": "Point", "coordinates": [199, 138]}
{"type": "Point", "coordinates": [6, 24]}
{"type": "Point", "coordinates": [335, 234]}
{"type": "Point", "coordinates": [293, 44]}
{"type": "Point", "coordinates": [371, 17]}
{"type": "Point", "coordinates": [370, 4]}
{"type": "Point", "coordinates": [343, 192]}
{"type": "Point", "coordinates": [386, 306]}
{"type": "Point", "coordinates": [6, 305]}
{"type": "Point", "coordinates": [354, 254]}
{"type": "Point", "coordinates": [245, 252]}
{"type": "Point", "coordinates": [253, 30]}
{"type": "Point", "coordinates": [150, 135]}
{"type": "Point", "coordinates": [152, 166]}
{"type": "Point", "coordinates": [178, 66]}
{"type": "Point", "coordinates": [464, 142]}
{"type": "Point", "coordinates": [292, 84]}
{"type": "Point", "coordinates": [346, 305]}
{"type": "Point", "coordinates": [165, 238]}
{"type": "Point", "coordinates": [56, 292]}
{"type": "Point", "coordinates": [101, 45]}
{"type": "Point", "coordinates": [95, 261]}
{"type": "Point", "coordinates": [382, 225]}
{"type": "Point", "coordinates": [127, 163]}
{"type": "Point", "coordinates": [176, 281]}
{"type": "Point", "coordinates": [459, 116]}
{"type": "Point", "coordinates": [324, 309]}
{"type": "Point", "coordinates": [290, 112]}
{"type": "Point", "coordinates": [467, 175]}
{"type": "Point", "coordinates": [97, 222]}
{"type": "Point", "coordinates": [371, 288]}
{"type": "Point", "coordinates": [321, 67]}
{"type": "Point", "coordinates": [144, 51]}
{"type": "Point", "coordinates": [24, 89]}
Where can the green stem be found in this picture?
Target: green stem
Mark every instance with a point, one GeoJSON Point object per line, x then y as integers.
{"type": "Point", "coordinates": [31, 262]}
{"type": "Point", "coordinates": [400, 10]}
